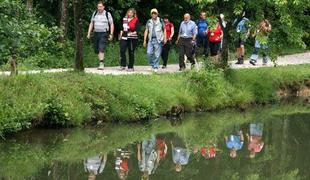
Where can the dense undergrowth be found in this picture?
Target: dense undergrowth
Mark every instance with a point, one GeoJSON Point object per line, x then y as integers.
{"type": "Point", "coordinates": [72, 99]}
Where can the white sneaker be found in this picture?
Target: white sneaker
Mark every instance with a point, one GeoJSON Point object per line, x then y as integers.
{"type": "Point", "coordinates": [101, 66]}
{"type": "Point", "coordinates": [155, 70]}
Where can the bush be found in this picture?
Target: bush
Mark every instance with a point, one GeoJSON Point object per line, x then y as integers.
{"type": "Point", "coordinates": [73, 99]}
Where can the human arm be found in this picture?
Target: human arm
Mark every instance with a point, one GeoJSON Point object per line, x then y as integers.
{"type": "Point", "coordinates": [172, 33]}
{"type": "Point", "coordinates": [90, 28]}
{"type": "Point", "coordinates": [139, 152]}
{"type": "Point", "coordinates": [146, 32]}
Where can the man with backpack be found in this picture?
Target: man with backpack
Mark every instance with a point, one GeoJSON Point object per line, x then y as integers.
{"type": "Point", "coordinates": [202, 38]}
{"type": "Point", "coordinates": [242, 25]}
{"type": "Point", "coordinates": [155, 33]}
{"type": "Point", "coordinates": [103, 26]}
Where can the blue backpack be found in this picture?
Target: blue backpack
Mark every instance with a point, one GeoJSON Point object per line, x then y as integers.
{"type": "Point", "coordinates": [242, 26]}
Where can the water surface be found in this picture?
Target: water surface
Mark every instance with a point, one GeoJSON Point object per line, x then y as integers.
{"type": "Point", "coordinates": [111, 152]}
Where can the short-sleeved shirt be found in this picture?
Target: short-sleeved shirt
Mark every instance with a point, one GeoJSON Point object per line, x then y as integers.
{"type": "Point", "coordinates": [188, 29]}
{"type": "Point", "coordinates": [168, 27]}
{"type": "Point", "coordinates": [234, 142]}
{"type": "Point", "coordinates": [202, 27]}
{"type": "Point", "coordinates": [180, 155]}
{"type": "Point", "coordinates": [94, 164]}
{"type": "Point", "coordinates": [256, 144]}
{"type": "Point", "coordinates": [101, 22]}
{"type": "Point", "coordinates": [214, 34]}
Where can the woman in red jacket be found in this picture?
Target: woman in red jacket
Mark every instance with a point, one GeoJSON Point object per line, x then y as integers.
{"type": "Point", "coordinates": [129, 38]}
{"type": "Point", "coordinates": [215, 36]}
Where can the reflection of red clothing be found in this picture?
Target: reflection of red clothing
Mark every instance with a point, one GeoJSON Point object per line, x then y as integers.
{"type": "Point", "coordinates": [256, 144]}
{"type": "Point", "coordinates": [211, 152]}
{"type": "Point", "coordinates": [161, 145]}
{"type": "Point", "coordinates": [214, 34]}
{"type": "Point", "coordinates": [124, 165]}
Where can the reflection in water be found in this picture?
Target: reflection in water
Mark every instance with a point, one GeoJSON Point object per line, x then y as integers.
{"type": "Point", "coordinates": [95, 165]}
{"type": "Point", "coordinates": [121, 162]}
{"type": "Point", "coordinates": [191, 149]}
{"type": "Point", "coordinates": [235, 141]}
{"type": "Point", "coordinates": [255, 139]}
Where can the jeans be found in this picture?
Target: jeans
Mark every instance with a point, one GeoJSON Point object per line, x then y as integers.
{"type": "Point", "coordinates": [165, 52]}
{"type": "Point", "coordinates": [203, 42]}
{"type": "Point", "coordinates": [256, 129]}
{"type": "Point", "coordinates": [154, 49]}
{"type": "Point", "coordinates": [129, 44]}
{"type": "Point", "coordinates": [257, 47]}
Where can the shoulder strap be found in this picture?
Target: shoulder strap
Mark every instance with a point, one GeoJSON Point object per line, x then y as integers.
{"type": "Point", "coordinates": [94, 14]}
{"type": "Point", "coordinates": [107, 16]}
{"type": "Point", "coordinates": [162, 24]}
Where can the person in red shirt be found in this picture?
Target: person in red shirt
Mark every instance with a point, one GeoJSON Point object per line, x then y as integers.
{"type": "Point", "coordinates": [129, 38]}
{"type": "Point", "coordinates": [209, 151]}
{"type": "Point", "coordinates": [255, 139]}
{"type": "Point", "coordinates": [215, 35]}
{"type": "Point", "coordinates": [169, 34]}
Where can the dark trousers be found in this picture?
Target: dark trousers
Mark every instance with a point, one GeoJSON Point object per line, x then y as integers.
{"type": "Point", "coordinates": [165, 52]}
{"type": "Point", "coordinates": [203, 42]}
{"type": "Point", "coordinates": [185, 48]}
{"type": "Point", "coordinates": [129, 44]}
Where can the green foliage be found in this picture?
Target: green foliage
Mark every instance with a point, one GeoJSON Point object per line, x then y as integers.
{"type": "Point", "coordinates": [24, 36]}
{"type": "Point", "coordinates": [73, 99]}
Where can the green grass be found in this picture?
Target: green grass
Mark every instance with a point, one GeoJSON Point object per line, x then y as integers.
{"type": "Point", "coordinates": [72, 99]}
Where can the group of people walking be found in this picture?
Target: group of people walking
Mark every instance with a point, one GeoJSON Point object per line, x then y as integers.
{"type": "Point", "coordinates": [151, 152]}
{"type": "Point", "coordinates": [159, 33]}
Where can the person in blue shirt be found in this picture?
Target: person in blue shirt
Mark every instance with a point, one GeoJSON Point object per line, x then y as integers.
{"type": "Point", "coordinates": [234, 142]}
{"type": "Point", "coordinates": [242, 25]}
{"type": "Point", "coordinates": [202, 38]}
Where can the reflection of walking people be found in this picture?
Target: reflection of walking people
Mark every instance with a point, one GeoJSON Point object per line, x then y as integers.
{"type": "Point", "coordinates": [121, 163]}
{"type": "Point", "coordinates": [255, 139]}
{"type": "Point", "coordinates": [95, 165]}
{"type": "Point", "coordinates": [261, 42]}
{"type": "Point", "coordinates": [129, 38]}
{"type": "Point", "coordinates": [102, 24]}
{"type": "Point", "coordinates": [180, 156]}
{"type": "Point", "coordinates": [186, 39]}
{"type": "Point", "coordinates": [234, 142]}
{"type": "Point", "coordinates": [147, 157]}
{"type": "Point", "coordinates": [155, 34]}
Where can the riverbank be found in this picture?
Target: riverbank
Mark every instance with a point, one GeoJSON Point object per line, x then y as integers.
{"type": "Point", "coordinates": [71, 99]}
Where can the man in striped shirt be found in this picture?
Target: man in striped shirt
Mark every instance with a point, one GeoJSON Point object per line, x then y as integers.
{"type": "Point", "coordinates": [103, 26]}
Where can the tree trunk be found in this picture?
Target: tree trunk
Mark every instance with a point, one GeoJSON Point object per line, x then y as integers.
{"type": "Point", "coordinates": [30, 5]}
{"type": "Point", "coordinates": [63, 19]}
{"type": "Point", "coordinates": [13, 62]}
{"type": "Point", "coordinates": [78, 35]}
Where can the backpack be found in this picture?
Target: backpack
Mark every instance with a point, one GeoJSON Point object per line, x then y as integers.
{"type": "Point", "coordinates": [242, 25]}
{"type": "Point", "coordinates": [107, 16]}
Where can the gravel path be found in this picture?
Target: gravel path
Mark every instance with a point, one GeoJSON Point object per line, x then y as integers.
{"type": "Point", "coordinates": [302, 58]}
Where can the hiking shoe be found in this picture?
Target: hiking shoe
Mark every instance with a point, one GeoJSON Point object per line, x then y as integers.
{"type": "Point", "coordinates": [164, 67]}
{"type": "Point", "coordinates": [240, 61]}
{"type": "Point", "coordinates": [253, 62]}
{"type": "Point", "coordinates": [101, 66]}
{"type": "Point", "coordinates": [155, 70]}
